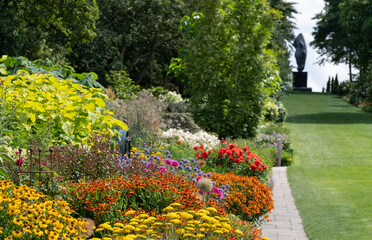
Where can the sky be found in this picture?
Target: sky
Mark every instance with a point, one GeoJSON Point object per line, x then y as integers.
{"type": "Point", "coordinates": [317, 75]}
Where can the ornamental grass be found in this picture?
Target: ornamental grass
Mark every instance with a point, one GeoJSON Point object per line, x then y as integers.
{"type": "Point", "coordinates": [110, 198]}
{"type": "Point", "coordinates": [248, 198]}
{"type": "Point", "coordinates": [28, 214]}
{"type": "Point", "coordinates": [173, 224]}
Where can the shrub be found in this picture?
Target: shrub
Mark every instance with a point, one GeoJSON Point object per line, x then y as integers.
{"type": "Point", "coordinates": [48, 106]}
{"type": "Point", "coordinates": [248, 198]}
{"type": "Point", "coordinates": [231, 158]}
{"type": "Point", "coordinates": [97, 159]}
{"type": "Point", "coordinates": [143, 116]}
{"type": "Point", "coordinates": [122, 85]}
{"type": "Point", "coordinates": [191, 139]}
{"type": "Point", "coordinates": [28, 214]}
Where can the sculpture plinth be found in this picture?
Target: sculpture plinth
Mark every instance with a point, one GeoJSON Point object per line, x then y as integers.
{"type": "Point", "coordinates": [300, 82]}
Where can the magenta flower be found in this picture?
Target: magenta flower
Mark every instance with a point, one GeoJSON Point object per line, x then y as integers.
{"type": "Point", "coordinates": [198, 178]}
{"type": "Point", "coordinates": [175, 164]}
{"type": "Point", "coordinates": [148, 165]}
{"type": "Point", "coordinates": [162, 169]}
{"type": "Point", "coordinates": [167, 161]}
{"type": "Point", "coordinates": [19, 162]}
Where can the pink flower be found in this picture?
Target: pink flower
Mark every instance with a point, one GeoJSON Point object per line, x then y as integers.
{"type": "Point", "coordinates": [198, 178]}
{"type": "Point", "coordinates": [201, 192]}
{"type": "Point", "coordinates": [148, 165]}
{"type": "Point", "coordinates": [175, 164]}
{"type": "Point", "coordinates": [168, 161]}
{"type": "Point", "coordinates": [59, 177]}
{"type": "Point", "coordinates": [162, 169]}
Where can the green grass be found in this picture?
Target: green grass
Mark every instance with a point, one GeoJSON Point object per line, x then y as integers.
{"type": "Point", "coordinates": [332, 177]}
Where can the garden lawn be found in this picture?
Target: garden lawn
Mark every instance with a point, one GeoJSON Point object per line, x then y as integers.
{"type": "Point", "coordinates": [332, 177]}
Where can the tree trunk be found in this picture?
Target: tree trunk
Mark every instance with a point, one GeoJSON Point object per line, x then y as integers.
{"type": "Point", "coordinates": [148, 62]}
{"type": "Point", "coordinates": [350, 72]}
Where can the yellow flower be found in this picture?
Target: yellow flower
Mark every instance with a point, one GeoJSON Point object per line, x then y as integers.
{"type": "Point", "coordinates": [265, 238]}
{"type": "Point", "coordinates": [180, 231]}
{"type": "Point", "coordinates": [130, 212]}
{"type": "Point", "coordinates": [212, 209]}
{"type": "Point", "coordinates": [175, 205]}
{"type": "Point", "coordinates": [175, 221]}
{"type": "Point", "coordinates": [8, 238]}
{"type": "Point", "coordinates": [199, 235]}
{"type": "Point", "coordinates": [239, 232]}
{"type": "Point", "coordinates": [168, 209]}
{"type": "Point", "coordinates": [17, 234]}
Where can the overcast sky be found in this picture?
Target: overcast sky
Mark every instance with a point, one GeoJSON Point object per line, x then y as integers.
{"type": "Point", "coordinates": [317, 75]}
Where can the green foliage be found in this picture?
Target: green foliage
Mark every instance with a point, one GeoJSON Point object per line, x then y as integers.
{"type": "Point", "coordinates": [46, 29]}
{"type": "Point", "coordinates": [122, 85]}
{"type": "Point", "coordinates": [11, 65]}
{"type": "Point", "coordinates": [137, 36]}
{"type": "Point", "coordinates": [50, 110]}
{"type": "Point", "coordinates": [282, 35]}
{"type": "Point", "coordinates": [328, 85]}
{"type": "Point", "coordinates": [226, 67]}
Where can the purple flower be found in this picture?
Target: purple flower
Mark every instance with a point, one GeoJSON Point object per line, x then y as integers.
{"type": "Point", "coordinates": [188, 168]}
{"type": "Point", "coordinates": [209, 174]}
{"type": "Point", "coordinates": [192, 160]}
{"type": "Point", "coordinates": [214, 183]}
{"type": "Point", "coordinates": [225, 195]}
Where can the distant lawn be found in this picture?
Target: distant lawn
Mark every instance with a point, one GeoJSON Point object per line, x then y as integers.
{"type": "Point", "coordinates": [332, 177]}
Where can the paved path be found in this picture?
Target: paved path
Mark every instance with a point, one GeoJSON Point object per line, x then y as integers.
{"type": "Point", "coordinates": [286, 223]}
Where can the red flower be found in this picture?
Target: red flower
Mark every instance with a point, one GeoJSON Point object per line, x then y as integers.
{"type": "Point", "coordinates": [205, 154]}
{"type": "Point", "coordinates": [260, 168]}
{"type": "Point", "coordinates": [223, 141]}
{"type": "Point", "coordinates": [202, 147]}
{"type": "Point", "coordinates": [264, 166]}
{"type": "Point", "coordinates": [19, 162]}
{"type": "Point", "coordinates": [238, 160]}
{"type": "Point", "coordinates": [253, 167]}
{"type": "Point", "coordinates": [245, 149]}
{"type": "Point", "coordinates": [257, 163]}
{"type": "Point", "coordinates": [196, 148]}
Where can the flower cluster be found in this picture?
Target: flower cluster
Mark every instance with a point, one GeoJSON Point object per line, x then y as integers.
{"type": "Point", "coordinates": [173, 224]}
{"type": "Point", "coordinates": [192, 139]}
{"type": "Point", "coordinates": [109, 198]}
{"type": "Point", "coordinates": [28, 214]}
{"type": "Point", "coordinates": [248, 198]}
{"type": "Point", "coordinates": [230, 157]}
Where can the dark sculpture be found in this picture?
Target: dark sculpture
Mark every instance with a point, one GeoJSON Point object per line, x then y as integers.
{"type": "Point", "coordinates": [301, 52]}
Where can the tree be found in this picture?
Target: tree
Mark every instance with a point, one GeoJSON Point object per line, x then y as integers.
{"type": "Point", "coordinates": [356, 20]}
{"type": "Point", "coordinates": [137, 36]}
{"type": "Point", "coordinates": [336, 84]}
{"type": "Point", "coordinates": [226, 66]}
{"type": "Point", "coordinates": [45, 29]}
{"type": "Point", "coordinates": [333, 85]}
{"type": "Point", "coordinates": [330, 37]}
{"type": "Point", "coordinates": [328, 85]}
{"type": "Point", "coordinates": [283, 37]}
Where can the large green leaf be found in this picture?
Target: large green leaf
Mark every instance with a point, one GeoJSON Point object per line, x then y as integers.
{"type": "Point", "coordinates": [67, 128]}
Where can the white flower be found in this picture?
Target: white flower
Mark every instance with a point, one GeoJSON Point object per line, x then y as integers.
{"type": "Point", "coordinates": [196, 139]}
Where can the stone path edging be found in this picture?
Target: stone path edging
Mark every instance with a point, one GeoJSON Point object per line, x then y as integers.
{"type": "Point", "coordinates": [286, 222]}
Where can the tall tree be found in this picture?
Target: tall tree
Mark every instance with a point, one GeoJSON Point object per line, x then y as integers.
{"type": "Point", "coordinates": [226, 65]}
{"type": "Point", "coordinates": [330, 37]}
{"type": "Point", "coordinates": [283, 37]}
{"type": "Point", "coordinates": [45, 29]}
{"type": "Point", "coordinates": [136, 35]}
{"type": "Point", "coordinates": [356, 20]}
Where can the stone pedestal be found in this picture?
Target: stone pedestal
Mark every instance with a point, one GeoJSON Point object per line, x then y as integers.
{"type": "Point", "coordinates": [300, 81]}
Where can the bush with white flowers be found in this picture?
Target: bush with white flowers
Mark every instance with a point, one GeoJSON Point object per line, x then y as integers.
{"type": "Point", "coordinates": [192, 139]}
